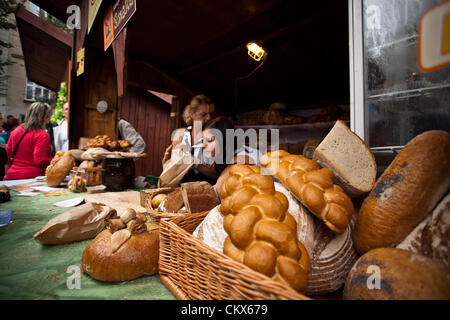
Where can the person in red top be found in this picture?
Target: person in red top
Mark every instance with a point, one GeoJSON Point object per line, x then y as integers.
{"type": "Point", "coordinates": [32, 154]}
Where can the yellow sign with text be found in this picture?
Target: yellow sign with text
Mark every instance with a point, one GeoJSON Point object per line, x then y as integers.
{"type": "Point", "coordinates": [434, 38]}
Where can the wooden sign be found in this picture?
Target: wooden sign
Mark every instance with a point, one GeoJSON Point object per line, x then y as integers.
{"type": "Point", "coordinates": [80, 62]}
{"type": "Point", "coordinates": [94, 5]}
{"type": "Point", "coordinates": [115, 19]}
{"type": "Point", "coordinates": [434, 38]}
{"type": "Point", "coordinates": [108, 28]}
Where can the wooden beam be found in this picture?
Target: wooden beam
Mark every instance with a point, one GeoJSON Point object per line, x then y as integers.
{"type": "Point", "coordinates": [42, 25]}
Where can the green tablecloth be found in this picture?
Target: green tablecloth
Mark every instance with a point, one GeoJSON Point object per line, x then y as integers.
{"type": "Point", "coordinates": [29, 270]}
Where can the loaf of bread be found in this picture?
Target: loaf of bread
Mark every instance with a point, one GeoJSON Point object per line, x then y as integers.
{"type": "Point", "coordinates": [212, 233]}
{"type": "Point", "coordinates": [211, 230]}
{"type": "Point", "coordinates": [199, 196]}
{"type": "Point", "coordinates": [349, 158]}
{"type": "Point", "coordinates": [431, 237]}
{"type": "Point", "coordinates": [396, 274]}
{"type": "Point", "coordinates": [172, 202]}
{"type": "Point", "coordinates": [59, 168]}
{"type": "Point", "coordinates": [127, 249]}
{"type": "Point", "coordinates": [331, 260]}
{"type": "Point", "coordinates": [94, 153]}
{"type": "Point", "coordinates": [305, 219]}
{"type": "Point", "coordinates": [313, 186]}
{"type": "Point", "coordinates": [261, 233]}
{"type": "Point", "coordinates": [412, 185]}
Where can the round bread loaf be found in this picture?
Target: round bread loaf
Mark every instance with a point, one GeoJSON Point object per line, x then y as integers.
{"type": "Point", "coordinates": [59, 168]}
{"type": "Point", "coordinates": [396, 274]}
{"type": "Point", "coordinates": [137, 255]}
{"type": "Point", "coordinates": [407, 191]}
{"type": "Point", "coordinates": [331, 260]}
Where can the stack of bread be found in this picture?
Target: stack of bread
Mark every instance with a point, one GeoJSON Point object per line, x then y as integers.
{"type": "Point", "coordinates": [403, 226]}
{"type": "Point", "coordinates": [320, 193]}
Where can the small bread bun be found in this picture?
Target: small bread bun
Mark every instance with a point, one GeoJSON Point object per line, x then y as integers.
{"type": "Point", "coordinates": [157, 200]}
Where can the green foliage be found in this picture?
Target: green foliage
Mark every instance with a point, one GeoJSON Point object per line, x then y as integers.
{"type": "Point", "coordinates": [62, 96]}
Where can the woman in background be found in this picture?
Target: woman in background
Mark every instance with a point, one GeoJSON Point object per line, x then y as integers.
{"type": "Point", "coordinates": [29, 148]}
{"type": "Point", "coordinates": [209, 164]}
{"type": "Point", "coordinates": [199, 110]}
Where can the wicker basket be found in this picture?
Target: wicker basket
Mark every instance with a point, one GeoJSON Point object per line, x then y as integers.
{"type": "Point", "coordinates": [146, 201]}
{"type": "Point", "coordinates": [192, 270]}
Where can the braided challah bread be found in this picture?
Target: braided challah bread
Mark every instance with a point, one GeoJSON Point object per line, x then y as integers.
{"type": "Point", "coordinates": [313, 186]}
{"type": "Point", "coordinates": [261, 233]}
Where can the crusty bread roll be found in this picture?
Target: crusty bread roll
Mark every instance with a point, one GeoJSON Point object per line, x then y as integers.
{"type": "Point", "coordinates": [156, 200]}
{"type": "Point", "coordinates": [406, 192]}
{"type": "Point", "coordinates": [59, 168]}
{"type": "Point", "coordinates": [261, 233]}
{"type": "Point", "coordinates": [396, 274]}
{"type": "Point", "coordinates": [313, 186]}
{"type": "Point", "coordinates": [349, 158]}
{"type": "Point", "coordinates": [134, 256]}
{"type": "Point", "coordinates": [431, 237]}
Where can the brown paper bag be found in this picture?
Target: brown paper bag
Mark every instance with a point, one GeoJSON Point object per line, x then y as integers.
{"type": "Point", "coordinates": [78, 224]}
{"type": "Point", "coordinates": [181, 161]}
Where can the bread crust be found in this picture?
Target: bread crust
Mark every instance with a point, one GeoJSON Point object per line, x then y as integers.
{"type": "Point", "coordinates": [402, 275]}
{"type": "Point", "coordinates": [407, 191]}
{"type": "Point", "coordinates": [59, 168]}
{"type": "Point", "coordinates": [313, 186]}
{"type": "Point", "coordinates": [137, 256]}
{"type": "Point", "coordinates": [261, 233]}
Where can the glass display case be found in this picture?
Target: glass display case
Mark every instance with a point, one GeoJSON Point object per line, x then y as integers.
{"type": "Point", "coordinates": [392, 99]}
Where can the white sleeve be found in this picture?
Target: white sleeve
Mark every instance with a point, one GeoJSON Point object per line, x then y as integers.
{"type": "Point", "coordinates": [57, 138]}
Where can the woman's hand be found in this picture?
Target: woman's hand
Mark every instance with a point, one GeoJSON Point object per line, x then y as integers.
{"type": "Point", "coordinates": [167, 154]}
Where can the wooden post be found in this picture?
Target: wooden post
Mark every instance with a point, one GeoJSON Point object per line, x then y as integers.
{"type": "Point", "coordinates": [120, 50]}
